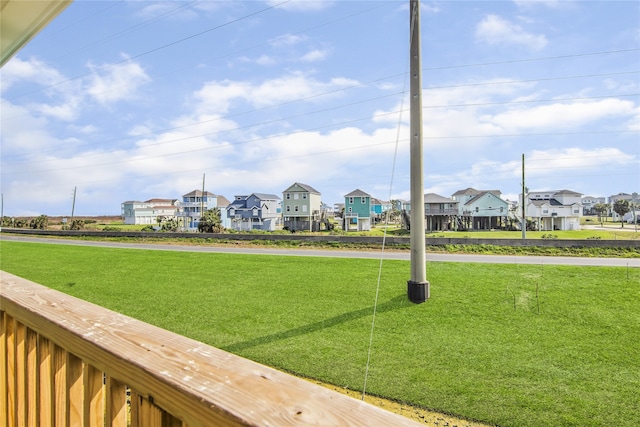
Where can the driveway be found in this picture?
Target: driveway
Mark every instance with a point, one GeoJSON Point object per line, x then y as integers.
{"type": "Point", "coordinates": [386, 255]}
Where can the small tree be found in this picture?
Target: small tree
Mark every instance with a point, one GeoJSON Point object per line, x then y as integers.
{"type": "Point", "coordinates": [210, 222]}
{"type": "Point", "coordinates": [39, 223]}
{"type": "Point", "coordinates": [77, 224]}
{"type": "Point", "coordinates": [601, 209]}
{"type": "Point", "coordinates": [169, 224]}
{"type": "Point", "coordinates": [621, 207]}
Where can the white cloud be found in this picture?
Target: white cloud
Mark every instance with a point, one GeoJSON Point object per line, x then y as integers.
{"type": "Point", "coordinates": [302, 5]}
{"type": "Point", "coordinates": [495, 30]}
{"type": "Point", "coordinates": [217, 96]}
{"type": "Point", "coordinates": [32, 70]}
{"type": "Point", "coordinates": [287, 40]}
{"type": "Point", "coordinates": [119, 82]}
{"type": "Point", "coordinates": [562, 115]}
{"type": "Point", "coordinates": [552, 4]}
{"type": "Point", "coordinates": [265, 60]}
{"type": "Point", "coordinates": [314, 55]}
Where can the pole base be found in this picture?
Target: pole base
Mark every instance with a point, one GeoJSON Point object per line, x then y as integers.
{"type": "Point", "coordinates": [418, 292]}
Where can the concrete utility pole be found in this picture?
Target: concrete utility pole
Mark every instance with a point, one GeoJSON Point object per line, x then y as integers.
{"type": "Point", "coordinates": [418, 288]}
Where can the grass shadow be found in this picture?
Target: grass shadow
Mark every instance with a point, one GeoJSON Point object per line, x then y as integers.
{"type": "Point", "coordinates": [395, 303]}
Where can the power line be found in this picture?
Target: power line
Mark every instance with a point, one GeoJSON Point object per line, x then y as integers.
{"type": "Point", "coordinates": [156, 49]}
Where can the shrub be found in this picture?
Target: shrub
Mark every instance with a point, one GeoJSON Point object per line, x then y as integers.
{"type": "Point", "coordinates": [77, 224]}
{"type": "Point", "coordinates": [39, 223]}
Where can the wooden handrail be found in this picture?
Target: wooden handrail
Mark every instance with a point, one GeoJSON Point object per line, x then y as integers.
{"type": "Point", "coordinates": [70, 362]}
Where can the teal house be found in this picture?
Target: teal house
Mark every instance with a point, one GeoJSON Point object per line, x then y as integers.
{"type": "Point", "coordinates": [357, 211]}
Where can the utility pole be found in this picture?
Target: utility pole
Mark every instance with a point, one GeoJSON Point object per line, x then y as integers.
{"type": "Point", "coordinates": [418, 288]}
{"type": "Point", "coordinates": [524, 206]}
{"type": "Point", "coordinates": [202, 200]}
{"type": "Point", "coordinates": [73, 205]}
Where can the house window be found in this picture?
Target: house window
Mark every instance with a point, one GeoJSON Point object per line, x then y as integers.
{"type": "Point", "coordinates": [576, 211]}
{"type": "Point", "coordinates": [255, 212]}
{"type": "Point", "coordinates": [296, 196]}
{"type": "Point", "coordinates": [288, 208]}
{"type": "Point", "coordinates": [477, 209]}
{"type": "Point", "coordinates": [296, 208]}
{"type": "Point", "coordinates": [362, 200]}
{"type": "Point", "coordinates": [232, 212]}
{"type": "Point", "coordinates": [287, 196]}
{"type": "Point", "coordinates": [545, 210]}
{"type": "Point", "coordinates": [304, 196]}
{"type": "Point", "coordinates": [350, 201]}
{"type": "Point", "coordinates": [304, 208]}
{"type": "Point", "coordinates": [350, 210]}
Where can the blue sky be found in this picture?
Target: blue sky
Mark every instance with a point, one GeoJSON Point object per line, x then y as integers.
{"type": "Point", "coordinates": [132, 100]}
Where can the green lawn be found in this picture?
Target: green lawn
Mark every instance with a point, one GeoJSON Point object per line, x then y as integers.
{"type": "Point", "coordinates": [510, 345]}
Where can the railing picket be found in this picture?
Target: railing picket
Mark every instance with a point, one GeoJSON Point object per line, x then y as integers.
{"type": "Point", "coordinates": [32, 378]}
{"type": "Point", "coordinates": [116, 403]}
{"type": "Point", "coordinates": [11, 372]}
{"type": "Point", "coordinates": [60, 399]}
{"type": "Point", "coordinates": [3, 370]}
{"type": "Point", "coordinates": [45, 383]}
{"type": "Point", "coordinates": [93, 408]}
{"type": "Point", "coordinates": [149, 414]}
{"type": "Point", "coordinates": [74, 389]}
{"type": "Point", "coordinates": [21, 374]}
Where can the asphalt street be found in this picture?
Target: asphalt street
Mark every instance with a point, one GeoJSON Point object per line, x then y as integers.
{"type": "Point", "coordinates": [386, 255]}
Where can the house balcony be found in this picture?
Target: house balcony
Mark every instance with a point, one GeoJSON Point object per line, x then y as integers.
{"type": "Point", "coordinates": [68, 362]}
{"type": "Point", "coordinates": [440, 211]}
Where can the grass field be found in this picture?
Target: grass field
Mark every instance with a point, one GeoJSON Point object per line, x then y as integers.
{"type": "Point", "coordinates": [510, 345]}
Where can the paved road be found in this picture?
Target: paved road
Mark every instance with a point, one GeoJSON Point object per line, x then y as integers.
{"type": "Point", "coordinates": [390, 255]}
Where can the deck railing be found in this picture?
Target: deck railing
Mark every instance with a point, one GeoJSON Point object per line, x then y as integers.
{"type": "Point", "coordinates": [66, 362]}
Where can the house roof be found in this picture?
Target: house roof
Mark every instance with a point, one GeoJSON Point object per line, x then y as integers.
{"type": "Point", "coordinates": [223, 201]}
{"type": "Point", "coordinates": [265, 196]}
{"type": "Point", "coordinates": [436, 198]}
{"type": "Point", "coordinates": [473, 192]}
{"type": "Point", "coordinates": [551, 202]}
{"type": "Point", "coordinates": [557, 192]}
{"type": "Point", "coordinates": [375, 201]}
{"type": "Point", "coordinates": [481, 195]}
{"type": "Point", "coordinates": [357, 193]}
{"type": "Point", "coordinates": [568, 193]}
{"type": "Point", "coordinates": [466, 191]}
{"type": "Point", "coordinates": [159, 200]}
{"type": "Point", "coordinates": [196, 193]}
{"type": "Point", "coordinates": [305, 187]}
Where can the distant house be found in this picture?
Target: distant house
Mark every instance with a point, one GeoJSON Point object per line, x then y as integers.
{"type": "Point", "coordinates": [589, 202]}
{"type": "Point", "coordinates": [480, 209]}
{"type": "Point", "coordinates": [149, 212]}
{"type": "Point", "coordinates": [258, 211]}
{"type": "Point", "coordinates": [301, 208]}
{"type": "Point", "coordinates": [193, 205]}
{"type": "Point", "coordinates": [554, 210]}
{"type": "Point", "coordinates": [440, 212]}
{"type": "Point", "coordinates": [357, 211]}
{"type": "Point", "coordinates": [622, 196]}
{"type": "Point", "coordinates": [379, 207]}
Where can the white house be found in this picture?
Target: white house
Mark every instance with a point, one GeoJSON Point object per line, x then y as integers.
{"type": "Point", "coordinates": [149, 212]}
{"type": "Point", "coordinates": [555, 210]}
{"type": "Point", "coordinates": [480, 209]}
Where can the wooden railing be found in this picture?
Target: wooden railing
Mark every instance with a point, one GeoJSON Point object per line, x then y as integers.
{"type": "Point", "coordinates": [66, 362]}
